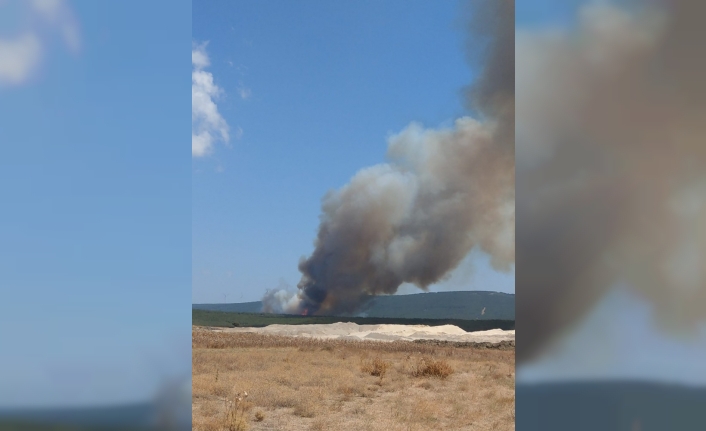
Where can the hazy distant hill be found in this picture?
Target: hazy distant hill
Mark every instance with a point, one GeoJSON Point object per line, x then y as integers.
{"type": "Point", "coordinates": [242, 307]}
{"type": "Point", "coordinates": [171, 406]}
{"type": "Point", "coordinates": [610, 405]}
{"type": "Point", "coordinates": [473, 305]}
{"type": "Point", "coordinates": [129, 417]}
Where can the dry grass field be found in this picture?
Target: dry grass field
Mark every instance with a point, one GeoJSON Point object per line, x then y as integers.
{"type": "Point", "coordinates": [245, 381]}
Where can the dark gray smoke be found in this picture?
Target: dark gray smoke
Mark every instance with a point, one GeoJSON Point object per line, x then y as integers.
{"type": "Point", "coordinates": [491, 43]}
{"type": "Point", "coordinates": [443, 192]}
{"type": "Point", "coordinates": [611, 165]}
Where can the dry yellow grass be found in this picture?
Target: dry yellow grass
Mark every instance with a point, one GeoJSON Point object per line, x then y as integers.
{"type": "Point", "coordinates": [309, 384]}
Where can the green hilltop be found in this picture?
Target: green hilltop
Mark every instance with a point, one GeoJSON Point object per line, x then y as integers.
{"type": "Point", "coordinates": [231, 319]}
{"type": "Point", "coordinates": [466, 305]}
{"type": "Point", "coordinates": [471, 311]}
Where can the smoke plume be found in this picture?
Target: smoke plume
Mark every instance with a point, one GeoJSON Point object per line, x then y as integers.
{"type": "Point", "coordinates": [443, 192]}
{"type": "Point", "coordinates": [611, 165]}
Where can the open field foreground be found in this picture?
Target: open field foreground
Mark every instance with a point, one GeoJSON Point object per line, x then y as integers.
{"type": "Point", "coordinates": [306, 383]}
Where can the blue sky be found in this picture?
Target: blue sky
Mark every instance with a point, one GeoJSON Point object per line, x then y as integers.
{"type": "Point", "coordinates": [311, 90]}
{"type": "Point", "coordinates": [95, 175]}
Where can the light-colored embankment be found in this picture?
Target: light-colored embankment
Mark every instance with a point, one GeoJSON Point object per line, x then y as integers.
{"type": "Point", "coordinates": [353, 331]}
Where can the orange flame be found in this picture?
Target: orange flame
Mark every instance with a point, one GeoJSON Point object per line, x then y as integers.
{"type": "Point", "coordinates": [305, 312]}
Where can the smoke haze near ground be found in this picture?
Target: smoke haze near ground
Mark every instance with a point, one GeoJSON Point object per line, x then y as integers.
{"type": "Point", "coordinates": [443, 193]}
{"type": "Point", "coordinates": [611, 165]}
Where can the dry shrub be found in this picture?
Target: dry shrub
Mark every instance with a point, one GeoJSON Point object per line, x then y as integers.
{"type": "Point", "coordinates": [236, 413]}
{"type": "Point", "coordinates": [282, 397]}
{"type": "Point", "coordinates": [305, 408]}
{"type": "Point", "coordinates": [432, 368]}
{"type": "Point", "coordinates": [309, 403]}
{"type": "Point", "coordinates": [259, 416]}
{"type": "Point", "coordinates": [220, 390]}
{"type": "Point", "coordinates": [425, 385]}
{"type": "Point", "coordinates": [357, 410]}
{"type": "Point", "coordinates": [377, 367]}
{"type": "Point", "coordinates": [349, 390]}
{"type": "Point", "coordinates": [320, 425]}
{"type": "Point", "coordinates": [491, 393]}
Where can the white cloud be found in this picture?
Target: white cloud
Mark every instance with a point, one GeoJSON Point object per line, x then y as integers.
{"type": "Point", "coordinates": [21, 54]}
{"type": "Point", "coordinates": [19, 58]}
{"type": "Point", "coordinates": [49, 8]}
{"type": "Point", "coordinates": [201, 144]}
{"type": "Point", "coordinates": [244, 92]}
{"type": "Point", "coordinates": [207, 124]}
{"type": "Point", "coordinates": [199, 58]}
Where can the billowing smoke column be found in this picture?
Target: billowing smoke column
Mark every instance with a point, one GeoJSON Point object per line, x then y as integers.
{"type": "Point", "coordinates": [611, 165]}
{"type": "Point", "coordinates": [443, 192]}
